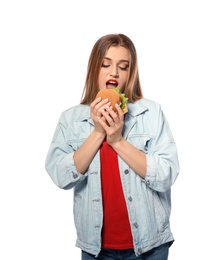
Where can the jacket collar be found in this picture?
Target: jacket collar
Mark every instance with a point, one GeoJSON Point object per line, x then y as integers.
{"type": "Point", "coordinates": [134, 109]}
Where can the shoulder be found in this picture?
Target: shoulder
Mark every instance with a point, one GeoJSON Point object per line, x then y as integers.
{"type": "Point", "coordinates": [144, 105]}
{"type": "Point", "coordinates": [150, 104]}
{"type": "Point", "coordinates": [76, 109]}
{"type": "Point", "coordinates": [76, 113]}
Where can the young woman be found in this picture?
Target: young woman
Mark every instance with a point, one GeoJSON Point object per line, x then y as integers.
{"type": "Point", "coordinates": [121, 165]}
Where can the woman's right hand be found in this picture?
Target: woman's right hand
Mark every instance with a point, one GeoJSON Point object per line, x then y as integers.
{"type": "Point", "coordinates": [95, 111]}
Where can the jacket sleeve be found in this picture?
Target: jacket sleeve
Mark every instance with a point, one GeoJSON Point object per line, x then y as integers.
{"type": "Point", "coordinates": [162, 157]}
{"type": "Point", "coordinates": [59, 161]}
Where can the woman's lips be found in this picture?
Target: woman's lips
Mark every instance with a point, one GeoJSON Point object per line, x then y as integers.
{"type": "Point", "coordinates": [112, 83]}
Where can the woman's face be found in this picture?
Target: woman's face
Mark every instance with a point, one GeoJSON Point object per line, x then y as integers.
{"type": "Point", "coordinates": [114, 69]}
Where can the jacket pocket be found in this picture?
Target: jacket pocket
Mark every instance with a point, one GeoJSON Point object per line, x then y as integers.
{"type": "Point", "coordinates": [160, 214]}
{"type": "Point", "coordinates": [75, 144]}
{"type": "Point", "coordinates": [77, 209]}
{"type": "Point", "coordinates": [140, 141]}
{"type": "Point", "coordinates": [76, 133]}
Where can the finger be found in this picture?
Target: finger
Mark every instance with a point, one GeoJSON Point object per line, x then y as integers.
{"type": "Point", "coordinates": [108, 115]}
{"type": "Point", "coordinates": [97, 103]}
{"type": "Point", "coordinates": [120, 112]}
{"type": "Point", "coordinates": [103, 108]}
{"type": "Point", "coordinates": [102, 122]}
{"type": "Point", "coordinates": [97, 106]}
{"type": "Point", "coordinates": [114, 115]}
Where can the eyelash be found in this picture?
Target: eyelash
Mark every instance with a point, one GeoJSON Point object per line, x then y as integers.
{"type": "Point", "coordinates": [126, 68]}
{"type": "Point", "coordinates": [106, 66]}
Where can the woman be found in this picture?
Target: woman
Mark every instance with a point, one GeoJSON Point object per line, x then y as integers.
{"type": "Point", "coordinates": [121, 166]}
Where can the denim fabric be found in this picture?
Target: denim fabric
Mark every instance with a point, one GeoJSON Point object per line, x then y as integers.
{"type": "Point", "coordinates": [158, 253]}
{"type": "Point", "coordinates": [148, 199]}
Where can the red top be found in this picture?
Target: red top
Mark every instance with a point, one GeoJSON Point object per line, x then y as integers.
{"type": "Point", "coordinates": [116, 232]}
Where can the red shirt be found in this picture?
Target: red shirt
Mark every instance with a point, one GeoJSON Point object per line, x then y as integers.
{"type": "Point", "coordinates": [116, 232]}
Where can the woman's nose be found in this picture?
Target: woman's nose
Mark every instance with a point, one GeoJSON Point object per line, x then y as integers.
{"type": "Point", "coordinates": [114, 72]}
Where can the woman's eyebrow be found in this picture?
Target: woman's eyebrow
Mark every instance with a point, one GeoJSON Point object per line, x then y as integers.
{"type": "Point", "coordinates": [106, 58]}
{"type": "Point", "coordinates": [124, 61]}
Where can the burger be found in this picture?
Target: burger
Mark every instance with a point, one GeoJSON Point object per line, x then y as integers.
{"type": "Point", "coordinates": [115, 97]}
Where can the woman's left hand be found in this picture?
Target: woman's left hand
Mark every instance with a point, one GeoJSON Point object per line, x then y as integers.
{"type": "Point", "coordinates": [113, 124]}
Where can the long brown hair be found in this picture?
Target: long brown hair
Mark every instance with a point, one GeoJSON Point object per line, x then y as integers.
{"type": "Point", "coordinates": [132, 89]}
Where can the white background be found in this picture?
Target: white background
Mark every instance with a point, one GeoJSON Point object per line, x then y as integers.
{"type": "Point", "coordinates": [44, 50]}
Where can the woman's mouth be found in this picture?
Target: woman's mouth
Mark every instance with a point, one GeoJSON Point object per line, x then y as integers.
{"type": "Point", "coordinates": [112, 83]}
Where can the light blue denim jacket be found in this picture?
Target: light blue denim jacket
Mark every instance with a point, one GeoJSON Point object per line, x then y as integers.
{"type": "Point", "coordinates": [148, 200]}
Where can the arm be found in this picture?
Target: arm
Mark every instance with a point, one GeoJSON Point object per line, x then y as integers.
{"type": "Point", "coordinates": [113, 125]}
{"type": "Point", "coordinates": [65, 164]}
{"type": "Point", "coordinates": [59, 161]}
{"type": "Point", "coordinates": [159, 165]}
{"type": "Point", "coordinates": [84, 155]}
{"type": "Point", "coordinates": [162, 156]}
{"type": "Point", "coordinates": [135, 158]}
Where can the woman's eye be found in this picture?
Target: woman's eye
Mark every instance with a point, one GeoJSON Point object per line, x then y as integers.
{"type": "Point", "coordinates": [124, 68]}
{"type": "Point", "coordinates": [105, 65]}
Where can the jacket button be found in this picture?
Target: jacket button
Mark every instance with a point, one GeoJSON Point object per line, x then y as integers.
{"type": "Point", "coordinates": [136, 225]}
{"type": "Point", "coordinates": [75, 175]}
{"type": "Point", "coordinates": [126, 171]}
{"type": "Point", "coordinates": [130, 199]}
{"type": "Point", "coordinates": [140, 250]}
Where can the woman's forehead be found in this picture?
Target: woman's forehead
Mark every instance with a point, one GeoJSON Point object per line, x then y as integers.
{"type": "Point", "coordinates": [117, 53]}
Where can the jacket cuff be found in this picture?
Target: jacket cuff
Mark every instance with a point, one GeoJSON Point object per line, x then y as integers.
{"type": "Point", "coordinates": [151, 171]}
{"type": "Point", "coordinates": [71, 169]}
